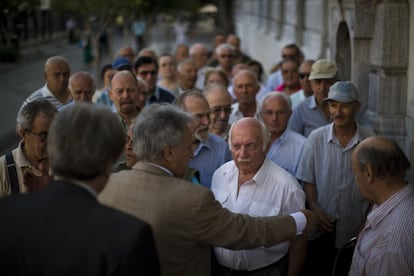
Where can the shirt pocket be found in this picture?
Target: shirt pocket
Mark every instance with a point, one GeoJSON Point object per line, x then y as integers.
{"type": "Point", "coordinates": [260, 209]}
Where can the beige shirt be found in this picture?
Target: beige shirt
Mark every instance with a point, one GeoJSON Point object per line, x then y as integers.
{"type": "Point", "coordinates": [22, 166]}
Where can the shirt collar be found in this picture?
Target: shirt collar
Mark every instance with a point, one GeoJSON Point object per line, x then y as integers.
{"type": "Point", "coordinates": [79, 183]}
{"type": "Point", "coordinates": [202, 144]}
{"type": "Point", "coordinates": [312, 102]}
{"type": "Point", "coordinates": [260, 176]}
{"type": "Point", "coordinates": [332, 138]}
{"type": "Point", "coordinates": [20, 159]}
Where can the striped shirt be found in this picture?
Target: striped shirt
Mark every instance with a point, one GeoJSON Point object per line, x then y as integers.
{"type": "Point", "coordinates": [386, 244]}
{"type": "Point", "coordinates": [44, 92]}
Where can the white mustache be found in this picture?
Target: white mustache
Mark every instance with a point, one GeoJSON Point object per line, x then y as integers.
{"type": "Point", "coordinates": [244, 160]}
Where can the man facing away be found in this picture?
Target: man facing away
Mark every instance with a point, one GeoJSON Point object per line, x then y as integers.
{"type": "Point", "coordinates": [63, 230]}
{"type": "Point", "coordinates": [20, 168]}
{"type": "Point", "coordinates": [252, 184]}
{"type": "Point", "coordinates": [386, 244]}
{"type": "Point", "coordinates": [185, 218]}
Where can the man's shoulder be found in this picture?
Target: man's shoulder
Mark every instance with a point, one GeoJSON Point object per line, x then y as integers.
{"type": "Point", "coordinates": [295, 137]}
{"type": "Point", "coordinates": [165, 95]}
{"type": "Point", "coordinates": [215, 139]}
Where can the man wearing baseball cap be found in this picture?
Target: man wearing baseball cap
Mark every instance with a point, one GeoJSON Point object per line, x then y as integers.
{"type": "Point", "coordinates": [329, 183]}
{"type": "Point", "coordinates": [313, 112]}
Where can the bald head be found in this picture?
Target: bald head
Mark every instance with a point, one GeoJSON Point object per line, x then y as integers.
{"type": "Point", "coordinates": [384, 156]}
{"type": "Point", "coordinates": [56, 74]}
{"type": "Point", "coordinates": [127, 52]}
{"type": "Point", "coordinates": [81, 86]}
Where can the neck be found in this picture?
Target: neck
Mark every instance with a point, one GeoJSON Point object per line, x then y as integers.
{"type": "Point", "coordinates": [62, 97]}
{"type": "Point", "coordinates": [274, 137]}
{"type": "Point", "coordinates": [248, 109]}
{"type": "Point", "coordinates": [129, 117]}
{"type": "Point", "coordinates": [387, 188]}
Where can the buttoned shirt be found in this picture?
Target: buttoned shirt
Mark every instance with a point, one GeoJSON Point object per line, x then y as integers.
{"type": "Point", "coordinates": [272, 191]}
{"type": "Point", "coordinates": [386, 244]}
{"type": "Point", "coordinates": [327, 164]}
{"type": "Point", "coordinates": [236, 114]}
{"type": "Point", "coordinates": [209, 156]}
{"type": "Point", "coordinates": [286, 150]}
{"type": "Point", "coordinates": [22, 166]}
{"type": "Point", "coordinates": [297, 98]}
{"type": "Point", "coordinates": [306, 117]}
{"type": "Point", "coordinates": [44, 92]}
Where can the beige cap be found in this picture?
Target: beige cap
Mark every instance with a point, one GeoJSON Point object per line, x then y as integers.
{"type": "Point", "coordinates": [323, 69]}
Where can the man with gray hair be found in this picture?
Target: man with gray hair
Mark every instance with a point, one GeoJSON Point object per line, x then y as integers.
{"type": "Point", "coordinates": [252, 184]}
{"type": "Point", "coordinates": [211, 151]}
{"type": "Point", "coordinates": [286, 145]}
{"type": "Point", "coordinates": [185, 218]}
{"type": "Point", "coordinates": [56, 74]}
{"type": "Point", "coordinates": [186, 75]}
{"type": "Point", "coordinates": [199, 54]}
{"type": "Point", "coordinates": [26, 168]}
{"type": "Point", "coordinates": [225, 57]}
{"type": "Point", "coordinates": [63, 229]}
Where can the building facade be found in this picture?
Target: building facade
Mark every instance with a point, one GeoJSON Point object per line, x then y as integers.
{"type": "Point", "coordinates": [372, 42]}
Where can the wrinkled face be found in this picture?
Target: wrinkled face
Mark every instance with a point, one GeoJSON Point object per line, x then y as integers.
{"type": "Point", "coordinates": [181, 154]}
{"type": "Point", "coordinates": [199, 108]}
{"type": "Point", "coordinates": [187, 75]}
{"type": "Point", "coordinates": [275, 114]}
{"type": "Point", "coordinates": [304, 72]}
{"type": "Point", "coordinates": [343, 114]}
{"type": "Point", "coordinates": [200, 57]}
{"type": "Point", "coordinates": [168, 68]}
{"type": "Point", "coordinates": [320, 88]}
{"type": "Point", "coordinates": [124, 94]}
{"type": "Point", "coordinates": [215, 78]}
{"type": "Point", "coordinates": [57, 77]}
{"type": "Point", "coordinates": [247, 147]}
{"type": "Point", "coordinates": [82, 89]}
{"type": "Point", "coordinates": [245, 88]}
{"type": "Point", "coordinates": [226, 58]}
{"type": "Point", "coordinates": [148, 72]}
{"type": "Point", "coordinates": [35, 139]}
{"type": "Point", "coordinates": [290, 74]}
{"type": "Point", "coordinates": [130, 156]}
{"type": "Point", "coordinates": [220, 110]}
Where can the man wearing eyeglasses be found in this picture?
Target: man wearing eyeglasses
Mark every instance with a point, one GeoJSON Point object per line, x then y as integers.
{"type": "Point", "coordinates": [26, 168]}
{"type": "Point", "coordinates": [219, 101]}
{"type": "Point", "coordinates": [210, 151]}
{"type": "Point", "coordinates": [252, 184]}
{"type": "Point", "coordinates": [147, 69]}
{"type": "Point", "coordinates": [286, 145]}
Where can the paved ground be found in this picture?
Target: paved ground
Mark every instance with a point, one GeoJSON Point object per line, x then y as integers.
{"type": "Point", "coordinates": [20, 79]}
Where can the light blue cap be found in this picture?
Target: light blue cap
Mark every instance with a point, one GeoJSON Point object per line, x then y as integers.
{"type": "Point", "coordinates": [343, 91]}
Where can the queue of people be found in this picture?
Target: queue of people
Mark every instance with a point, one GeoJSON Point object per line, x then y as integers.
{"type": "Point", "coordinates": [192, 166]}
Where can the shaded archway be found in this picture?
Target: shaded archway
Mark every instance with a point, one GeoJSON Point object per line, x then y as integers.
{"type": "Point", "coordinates": [343, 51]}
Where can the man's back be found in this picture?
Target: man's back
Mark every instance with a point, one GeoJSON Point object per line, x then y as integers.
{"type": "Point", "coordinates": [185, 218]}
{"type": "Point", "coordinates": [63, 230]}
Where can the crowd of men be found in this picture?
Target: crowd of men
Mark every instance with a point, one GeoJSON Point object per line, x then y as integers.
{"type": "Point", "coordinates": [186, 164]}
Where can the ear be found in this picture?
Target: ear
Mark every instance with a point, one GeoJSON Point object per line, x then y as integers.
{"type": "Point", "coordinates": [369, 173]}
{"type": "Point", "coordinates": [168, 153]}
{"type": "Point", "coordinates": [110, 95]}
{"type": "Point", "coordinates": [22, 133]}
{"type": "Point", "coordinates": [45, 76]}
{"type": "Point", "coordinates": [357, 106]}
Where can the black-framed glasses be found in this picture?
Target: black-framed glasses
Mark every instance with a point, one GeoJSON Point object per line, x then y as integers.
{"type": "Point", "coordinates": [42, 135]}
{"type": "Point", "coordinates": [303, 75]}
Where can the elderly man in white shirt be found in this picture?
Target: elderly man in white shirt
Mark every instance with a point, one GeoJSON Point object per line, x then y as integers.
{"type": "Point", "coordinates": [252, 184]}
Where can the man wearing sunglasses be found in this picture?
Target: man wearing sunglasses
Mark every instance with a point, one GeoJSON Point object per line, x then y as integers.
{"type": "Point", "coordinates": [26, 168]}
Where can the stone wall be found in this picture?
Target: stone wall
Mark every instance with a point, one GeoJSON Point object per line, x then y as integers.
{"type": "Point", "coordinates": [371, 41]}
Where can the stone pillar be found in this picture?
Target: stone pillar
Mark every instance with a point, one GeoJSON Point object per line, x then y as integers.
{"type": "Point", "coordinates": [388, 81]}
